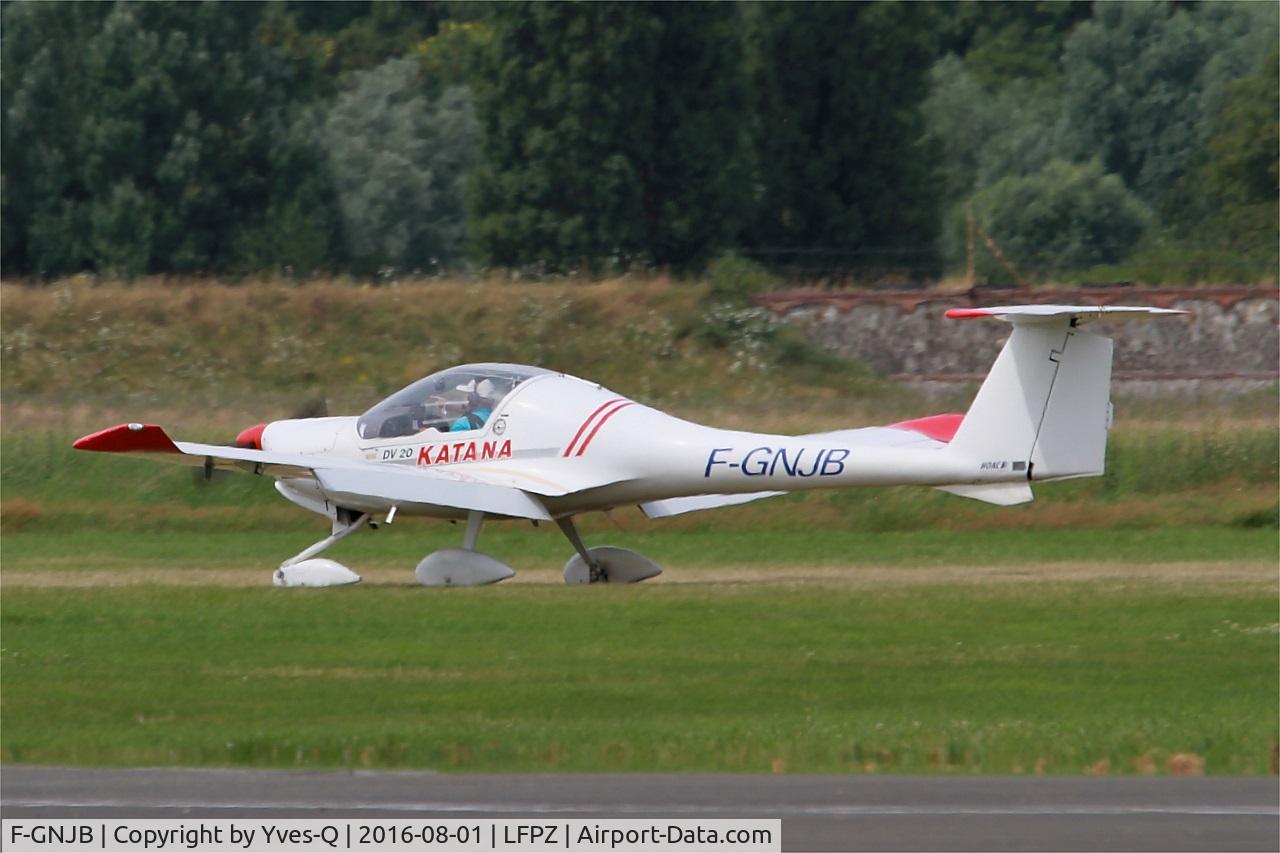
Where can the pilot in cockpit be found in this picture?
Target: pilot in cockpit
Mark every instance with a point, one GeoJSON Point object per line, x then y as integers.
{"type": "Point", "coordinates": [432, 413]}
{"type": "Point", "coordinates": [456, 400]}
{"type": "Point", "coordinates": [479, 406]}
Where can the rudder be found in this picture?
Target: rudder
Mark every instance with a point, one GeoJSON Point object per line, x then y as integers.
{"type": "Point", "coordinates": [1045, 406]}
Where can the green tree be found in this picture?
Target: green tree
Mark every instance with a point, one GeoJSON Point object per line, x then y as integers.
{"type": "Point", "coordinates": [1231, 197]}
{"type": "Point", "coordinates": [122, 228]}
{"type": "Point", "coordinates": [612, 135]}
{"type": "Point", "coordinates": [332, 39]}
{"type": "Point", "coordinates": [399, 162]}
{"type": "Point", "coordinates": [841, 169]}
{"type": "Point", "coordinates": [165, 115]}
{"type": "Point", "coordinates": [43, 93]}
{"type": "Point", "coordinates": [1003, 41]}
{"type": "Point", "coordinates": [451, 56]}
{"type": "Point", "coordinates": [1142, 82]}
{"type": "Point", "coordinates": [983, 136]}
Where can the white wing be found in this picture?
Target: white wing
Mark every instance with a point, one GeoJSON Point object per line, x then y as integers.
{"type": "Point", "coordinates": [343, 480]}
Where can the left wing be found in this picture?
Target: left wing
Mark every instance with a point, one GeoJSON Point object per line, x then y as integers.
{"type": "Point", "coordinates": [342, 480]}
{"type": "Point", "coordinates": [152, 442]}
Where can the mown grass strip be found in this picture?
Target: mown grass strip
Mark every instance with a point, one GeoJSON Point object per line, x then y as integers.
{"type": "Point", "coordinates": [680, 550]}
{"type": "Point", "coordinates": [1057, 678]}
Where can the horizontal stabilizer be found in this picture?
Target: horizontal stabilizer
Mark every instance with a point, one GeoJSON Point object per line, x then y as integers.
{"type": "Point", "coordinates": [679, 506]}
{"type": "Point", "coordinates": [1000, 494]}
{"type": "Point", "coordinates": [1022, 314]}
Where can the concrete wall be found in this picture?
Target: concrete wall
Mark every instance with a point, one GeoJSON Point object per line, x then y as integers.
{"type": "Point", "coordinates": [1231, 336]}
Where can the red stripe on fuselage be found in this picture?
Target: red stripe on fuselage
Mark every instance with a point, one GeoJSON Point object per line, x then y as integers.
{"type": "Point", "coordinates": [937, 427]}
{"type": "Point", "coordinates": [601, 423]}
{"type": "Point", "coordinates": [568, 451]}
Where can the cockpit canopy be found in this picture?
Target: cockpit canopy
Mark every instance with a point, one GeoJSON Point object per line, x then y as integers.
{"type": "Point", "coordinates": [460, 398]}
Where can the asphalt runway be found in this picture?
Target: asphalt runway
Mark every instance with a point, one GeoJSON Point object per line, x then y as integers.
{"type": "Point", "coordinates": [817, 812]}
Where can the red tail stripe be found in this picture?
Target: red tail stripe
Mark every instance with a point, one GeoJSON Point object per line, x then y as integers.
{"type": "Point", "coordinates": [599, 424]}
{"type": "Point", "coordinates": [568, 451]}
{"type": "Point", "coordinates": [937, 427]}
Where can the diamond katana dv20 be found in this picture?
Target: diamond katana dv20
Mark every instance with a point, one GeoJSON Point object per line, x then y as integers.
{"type": "Point", "coordinates": [505, 441]}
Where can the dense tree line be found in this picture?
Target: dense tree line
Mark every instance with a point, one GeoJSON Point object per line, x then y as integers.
{"type": "Point", "coordinates": [852, 138]}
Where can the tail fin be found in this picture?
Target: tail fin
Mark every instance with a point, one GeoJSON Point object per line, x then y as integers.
{"type": "Point", "coordinates": [1045, 406]}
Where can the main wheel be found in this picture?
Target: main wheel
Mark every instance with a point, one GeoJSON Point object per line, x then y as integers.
{"type": "Point", "coordinates": [459, 567]}
{"type": "Point", "coordinates": [613, 565]}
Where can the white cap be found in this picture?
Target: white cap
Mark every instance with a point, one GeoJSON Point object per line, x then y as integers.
{"type": "Point", "coordinates": [483, 387]}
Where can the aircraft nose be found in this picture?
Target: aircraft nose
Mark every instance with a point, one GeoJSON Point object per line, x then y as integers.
{"type": "Point", "coordinates": [251, 437]}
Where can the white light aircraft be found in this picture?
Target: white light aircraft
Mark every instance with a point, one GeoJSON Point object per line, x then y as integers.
{"type": "Point", "coordinates": [505, 441]}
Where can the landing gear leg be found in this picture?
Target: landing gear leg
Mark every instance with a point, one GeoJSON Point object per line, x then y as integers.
{"type": "Point", "coordinates": [603, 564]}
{"type": "Point", "coordinates": [474, 522]}
{"type": "Point", "coordinates": [595, 572]}
{"type": "Point", "coordinates": [342, 528]}
{"type": "Point", "coordinates": [302, 570]}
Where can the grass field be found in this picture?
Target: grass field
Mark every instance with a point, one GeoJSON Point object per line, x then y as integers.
{"type": "Point", "coordinates": [1125, 624]}
{"type": "Point", "coordinates": [30, 554]}
{"type": "Point", "coordinates": [1115, 675]}
{"type": "Point", "coordinates": [999, 651]}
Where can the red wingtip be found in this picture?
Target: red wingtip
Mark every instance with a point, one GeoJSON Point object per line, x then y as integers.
{"type": "Point", "coordinates": [251, 437]}
{"type": "Point", "coordinates": [966, 313]}
{"type": "Point", "coordinates": [128, 438]}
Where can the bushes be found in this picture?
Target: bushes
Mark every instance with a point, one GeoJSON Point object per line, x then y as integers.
{"type": "Point", "coordinates": [734, 278]}
{"type": "Point", "coordinates": [1063, 217]}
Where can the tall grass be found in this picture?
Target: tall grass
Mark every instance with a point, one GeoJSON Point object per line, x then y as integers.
{"type": "Point", "coordinates": [204, 346]}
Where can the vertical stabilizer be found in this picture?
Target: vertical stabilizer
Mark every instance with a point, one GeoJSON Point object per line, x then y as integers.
{"type": "Point", "coordinates": [1004, 420]}
{"type": "Point", "coordinates": [1045, 406]}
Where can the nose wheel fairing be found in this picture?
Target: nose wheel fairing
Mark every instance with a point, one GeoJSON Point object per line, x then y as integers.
{"type": "Point", "coordinates": [316, 572]}
{"type": "Point", "coordinates": [303, 569]}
